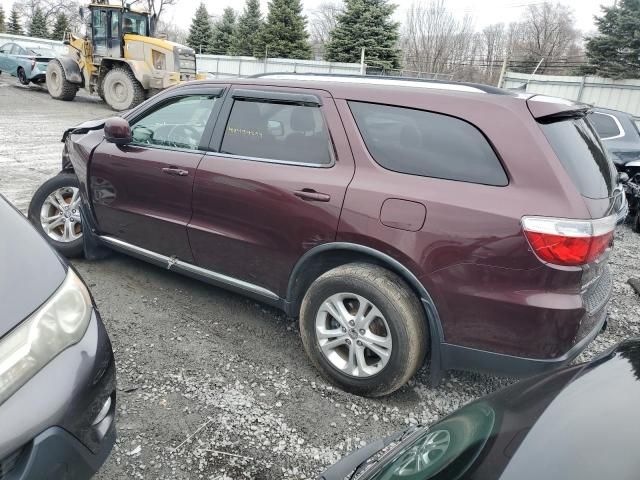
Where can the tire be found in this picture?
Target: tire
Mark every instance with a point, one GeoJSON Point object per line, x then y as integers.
{"type": "Point", "coordinates": [64, 228]}
{"type": "Point", "coordinates": [401, 318]}
{"type": "Point", "coordinates": [636, 222]}
{"type": "Point", "coordinates": [57, 84]}
{"type": "Point", "coordinates": [121, 89]}
{"type": "Point", "coordinates": [22, 77]}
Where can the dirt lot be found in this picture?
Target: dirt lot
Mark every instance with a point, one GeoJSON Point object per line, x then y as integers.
{"type": "Point", "coordinates": [212, 385]}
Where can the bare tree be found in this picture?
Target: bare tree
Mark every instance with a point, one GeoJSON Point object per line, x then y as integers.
{"type": "Point", "coordinates": [172, 32]}
{"type": "Point", "coordinates": [434, 40]}
{"type": "Point", "coordinates": [322, 20]}
{"type": "Point", "coordinates": [546, 32]}
{"type": "Point", "coordinates": [50, 10]}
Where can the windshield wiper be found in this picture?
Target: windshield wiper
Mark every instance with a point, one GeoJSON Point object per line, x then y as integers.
{"type": "Point", "coordinates": [354, 462]}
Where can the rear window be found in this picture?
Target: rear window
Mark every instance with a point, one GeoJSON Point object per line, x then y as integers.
{"type": "Point", "coordinates": [427, 144]}
{"type": "Point", "coordinates": [577, 146]}
{"type": "Point", "coordinates": [606, 125]}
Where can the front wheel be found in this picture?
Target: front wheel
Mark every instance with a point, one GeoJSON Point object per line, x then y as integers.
{"type": "Point", "coordinates": [22, 76]}
{"type": "Point", "coordinates": [364, 329]}
{"type": "Point", "coordinates": [57, 84]}
{"type": "Point", "coordinates": [55, 211]}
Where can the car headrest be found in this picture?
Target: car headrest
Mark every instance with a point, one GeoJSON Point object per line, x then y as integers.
{"type": "Point", "coordinates": [302, 119]}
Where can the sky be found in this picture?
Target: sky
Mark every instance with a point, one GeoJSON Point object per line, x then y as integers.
{"type": "Point", "coordinates": [484, 12]}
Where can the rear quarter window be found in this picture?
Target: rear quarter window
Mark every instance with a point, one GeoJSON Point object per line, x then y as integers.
{"type": "Point", "coordinates": [427, 144]}
{"type": "Point", "coordinates": [605, 125]}
{"type": "Point", "coordinates": [578, 148]}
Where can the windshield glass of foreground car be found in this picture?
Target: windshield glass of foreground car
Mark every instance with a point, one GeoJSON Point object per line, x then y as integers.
{"type": "Point", "coordinates": [578, 148]}
{"type": "Point", "coordinates": [446, 450]}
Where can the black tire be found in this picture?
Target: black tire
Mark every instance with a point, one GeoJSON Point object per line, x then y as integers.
{"type": "Point", "coordinates": [399, 306]}
{"type": "Point", "coordinates": [121, 90]}
{"type": "Point", "coordinates": [636, 222]}
{"type": "Point", "coordinates": [22, 77]}
{"type": "Point", "coordinates": [69, 249]}
{"type": "Point", "coordinates": [57, 84]}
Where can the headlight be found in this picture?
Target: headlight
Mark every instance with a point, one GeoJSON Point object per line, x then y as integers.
{"type": "Point", "coordinates": [61, 322]}
{"type": "Point", "coordinates": [159, 60]}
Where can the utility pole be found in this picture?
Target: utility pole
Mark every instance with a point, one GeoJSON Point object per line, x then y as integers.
{"type": "Point", "coordinates": [503, 71]}
{"type": "Point", "coordinates": [362, 70]}
{"type": "Point", "coordinates": [266, 53]}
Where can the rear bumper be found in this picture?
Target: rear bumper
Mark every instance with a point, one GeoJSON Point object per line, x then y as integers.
{"type": "Point", "coordinates": [56, 454]}
{"type": "Point", "coordinates": [456, 357]}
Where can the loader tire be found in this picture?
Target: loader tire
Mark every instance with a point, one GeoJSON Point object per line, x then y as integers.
{"type": "Point", "coordinates": [57, 84]}
{"type": "Point", "coordinates": [121, 89]}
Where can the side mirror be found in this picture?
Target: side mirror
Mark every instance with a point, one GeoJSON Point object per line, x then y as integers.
{"type": "Point", "coordinates": [117, 130]}
{"type": "Point", "coordinates": [623, 177]}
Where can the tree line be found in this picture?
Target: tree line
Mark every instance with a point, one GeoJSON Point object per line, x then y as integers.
{"type": "Point", "coordinates": [432, 40]}
{"type": "Point", "coordinates": [39, 18]}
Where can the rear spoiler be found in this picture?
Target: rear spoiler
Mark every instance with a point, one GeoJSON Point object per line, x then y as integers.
{"type": "Point", "coordinates": [549, 109]}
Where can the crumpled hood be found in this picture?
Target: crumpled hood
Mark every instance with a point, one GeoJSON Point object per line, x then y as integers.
{"type": "Point", "coordinates": [30, 270]}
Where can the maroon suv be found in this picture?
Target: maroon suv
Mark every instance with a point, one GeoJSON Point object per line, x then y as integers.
{"type": "Point", "coordinates": [398, 219]}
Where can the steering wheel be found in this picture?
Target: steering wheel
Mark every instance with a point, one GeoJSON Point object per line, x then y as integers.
{"type": "Point", "coordinates": [184, 135]}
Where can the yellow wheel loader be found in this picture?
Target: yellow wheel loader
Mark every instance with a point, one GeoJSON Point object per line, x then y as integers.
{"type": "Point", "coordinates": [118, 59]}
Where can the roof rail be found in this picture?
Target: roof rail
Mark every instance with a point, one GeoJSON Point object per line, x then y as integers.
{"type": "Point", "coordinates": [364, 78]}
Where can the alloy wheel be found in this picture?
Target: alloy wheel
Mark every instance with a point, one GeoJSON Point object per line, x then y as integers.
{"type": "Point", "coordinates": [353, 335]}
{"type": "Point", "coordinates": [60, 215]}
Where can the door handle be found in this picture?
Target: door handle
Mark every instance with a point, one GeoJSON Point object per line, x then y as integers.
{"type": "Point", "coordinates": [175, 171]}
{"type": "Point", "coordinates": [312, 195]}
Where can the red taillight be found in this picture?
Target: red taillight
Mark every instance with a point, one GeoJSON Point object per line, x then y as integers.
{"type": "Point", "coordinates": [33, 64]}
{"type": "Point", "coordinates": [568, 242]}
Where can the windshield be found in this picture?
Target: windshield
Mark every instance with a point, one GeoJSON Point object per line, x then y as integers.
{"type": "Point", "coordinates": [134, 23]}
{"type": "Point", "coordinates": [42, 52]}
{"type": "Point", "coordinates": [578, 148]}
{"type": "Point", "coordinates": [445, 450]}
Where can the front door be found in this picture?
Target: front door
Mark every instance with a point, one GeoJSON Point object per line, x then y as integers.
{"type": "Point", "coordinates": [274, 187]}
{"type": "Point", "coordinates": [142, 192]}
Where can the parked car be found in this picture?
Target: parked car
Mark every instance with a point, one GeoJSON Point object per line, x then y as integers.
{"type": "Point", "coordinates": [397, 219]}
{"type": "Point", "coordinates": [578, 422]}
{"type": "Point", "coordinates": [620, 135]}
{"type": "Point", "coordinates": [28, 64]}
{"type": "Point", "coordinates": [57, 372]}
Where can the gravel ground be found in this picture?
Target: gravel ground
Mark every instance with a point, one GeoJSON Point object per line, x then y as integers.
{"type": "Point", "coordinates": [215, 386]}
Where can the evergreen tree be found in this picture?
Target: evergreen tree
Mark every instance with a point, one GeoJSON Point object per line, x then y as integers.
{"type": "Point", "coordinates": [61, 26]}
{"type": "Point", "coordinates": [223, 32]}
{"type": "Point", "coordinates": [200, 32]}
{"type": "Point", "coordinates": [246, 39]}
{"type": "Point", "coordinates": [284, 34]}
{"type": "Point", "coordinates": [2, 20]}
{"type": "Point", "coordinates": [368, 24]}
{"type": "Point", "coordinates": [615, 50]}
{"type": "Point", "coordinates": [38, 26]}
{"type": "Point", "coordinates": [13, 25]}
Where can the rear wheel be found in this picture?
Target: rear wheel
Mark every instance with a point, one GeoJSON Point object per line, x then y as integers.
{"type": "Point", "coordinates": [22, 76]}
{"type": "Point", "coordinates": [121, 89]}
{"type": "Point", "coordinates": [364, 329]}
{"type": "Point", "coordinates": [55, 211]}
{"type": "Point", "coordinates": [57, 84]}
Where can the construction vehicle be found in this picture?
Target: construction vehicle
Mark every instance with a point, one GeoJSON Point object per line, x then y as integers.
{"type": "Point", "coordinates": [117, 58]}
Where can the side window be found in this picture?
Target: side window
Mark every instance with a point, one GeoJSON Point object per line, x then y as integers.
{"type": "Point", "coordinates": [428, 144]}
{"type": "Point", "coordinates": [17, 50]}
{"type": "Point", "coordinates": [6, 48]}
{"type": "Point", "coordinates": [99, 25]}
{"type": "Point", "coordinates": [276, 131]}
{"type": "Point", "coordinates": [605, 125]}
{"type": "Point", "coordinates": [178, 123]}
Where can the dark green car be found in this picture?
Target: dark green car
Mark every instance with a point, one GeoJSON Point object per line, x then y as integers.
{"type": "Point", "coordinates": [28, 64]}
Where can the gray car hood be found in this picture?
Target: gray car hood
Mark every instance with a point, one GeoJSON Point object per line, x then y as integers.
{"type": "Point", "coordinates": [30, 271]}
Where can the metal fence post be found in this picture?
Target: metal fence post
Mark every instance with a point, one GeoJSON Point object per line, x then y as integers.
{"type": "Point", "coordinates": [581, 89]}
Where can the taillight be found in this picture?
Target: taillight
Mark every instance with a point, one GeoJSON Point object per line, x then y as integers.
{"type": "Point", "coordinates": [568, 242]}
{"type": "Point", "coordinates": [33, 64]}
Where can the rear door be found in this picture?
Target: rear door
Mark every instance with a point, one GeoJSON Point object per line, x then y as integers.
{"type": "Point", "coordinates": [272, 186]}
{"type": "Point", "coordinates": [142, 191]}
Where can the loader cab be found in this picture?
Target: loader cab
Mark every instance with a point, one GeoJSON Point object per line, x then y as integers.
{"type": "Point", "coordinates": [108, 27]}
